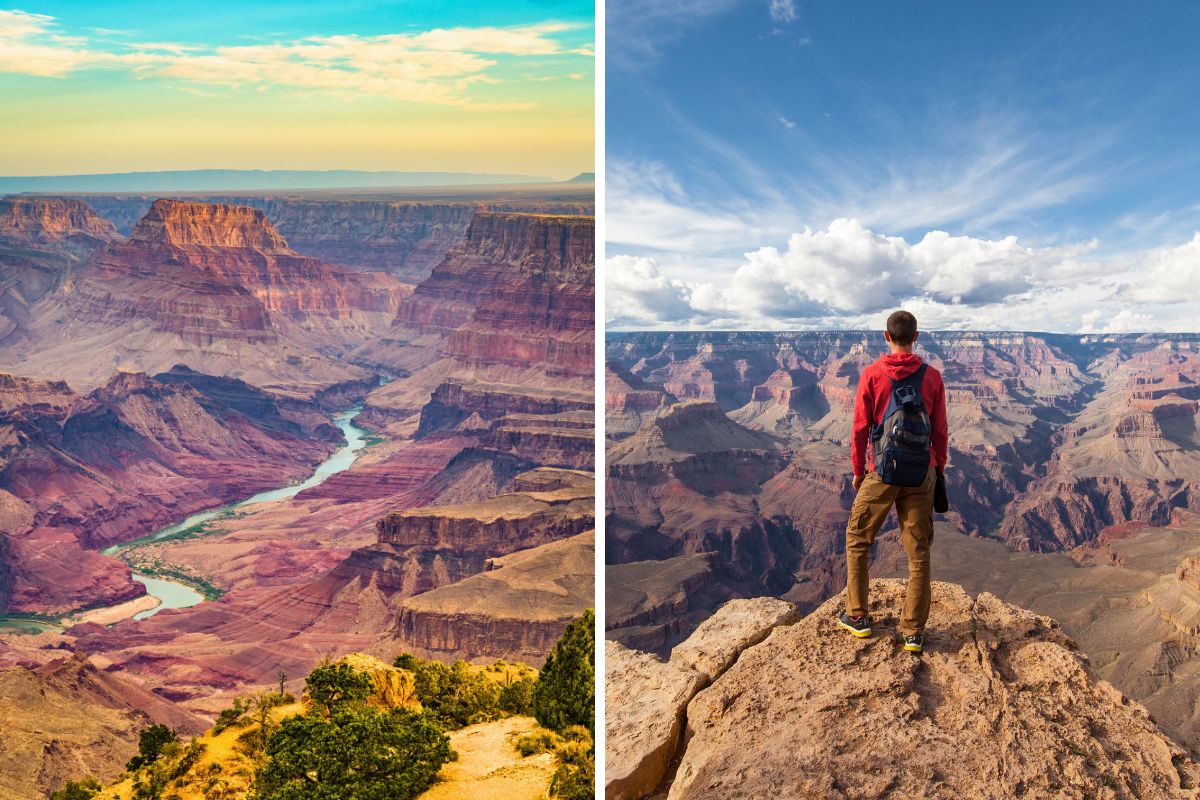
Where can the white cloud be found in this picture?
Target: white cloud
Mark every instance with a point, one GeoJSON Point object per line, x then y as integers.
{"type": "Point", "coordinates": [787, 123]}
{"type": "Point", "coordinates": [30, 45]}
{"type": "Point", "coordinates": [638, 294]}
{"type": "Point", "coordinates": [648, 208]}
{"type": "Point", "coordinates": [1169, 275]}
{"type": "Point", "coordinates": [782, 11]}
{"type": "Point", "coordinates": [848, 276]}
{"type": "Point", "coordinates": [436, 66]}
{"type": "Point", "coordinates": [637, 31]}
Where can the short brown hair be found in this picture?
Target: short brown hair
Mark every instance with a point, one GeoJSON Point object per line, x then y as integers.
{"type": "Point", "coordinates": [902, 327]}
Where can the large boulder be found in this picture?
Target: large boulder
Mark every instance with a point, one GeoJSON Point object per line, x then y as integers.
{"type": "Point", "coordinates": [716, 643]}
{"type": "Point", "coordinates": [645, 700]}
{"type": "Point", "coordinates": [1001, 705]}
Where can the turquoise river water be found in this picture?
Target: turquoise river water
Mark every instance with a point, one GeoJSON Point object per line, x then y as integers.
{"type": "Point", "coordinates": [175, 594]}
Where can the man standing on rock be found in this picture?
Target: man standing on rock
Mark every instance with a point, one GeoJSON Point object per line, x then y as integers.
{"type": "Point", "coordinates": [901, 410]}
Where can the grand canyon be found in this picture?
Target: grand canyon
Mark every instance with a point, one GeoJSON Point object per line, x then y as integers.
{"type": "Point", "coordinates": [1074, 484]}
{"type": "Point", "coordinates": [244, 434]}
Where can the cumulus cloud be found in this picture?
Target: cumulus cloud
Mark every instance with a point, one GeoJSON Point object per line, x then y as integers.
{"type": "Point", "coordinates": [849, 276]}
{"type": "Point", "coordinates": [437, 66]}
{"type": "Point", "coordinates": [640, 295]}
{"type": "Point", "coordinates": [1168, 275]}
{"type": "Point", "coordinates": [848, 268]}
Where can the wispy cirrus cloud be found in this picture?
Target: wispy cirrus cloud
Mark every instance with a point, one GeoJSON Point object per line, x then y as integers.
{"type": "Point", "coordinates": [438, 66]}
{"type": "Point", "coordinates": [637, 31]}
{"type": "Point", "coordinates": [782, 11]}
{"type": "Point", "coordinates": [31, 44]}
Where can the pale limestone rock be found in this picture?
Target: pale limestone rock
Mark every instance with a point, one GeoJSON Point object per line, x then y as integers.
{"type": "Point", "coordinates": [716, 643]}
{"type": "Point", "coordinates": [645, 699]}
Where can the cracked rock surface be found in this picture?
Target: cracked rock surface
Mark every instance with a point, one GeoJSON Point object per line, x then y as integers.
{"type": "Point", "coordinates": [1001, 705]}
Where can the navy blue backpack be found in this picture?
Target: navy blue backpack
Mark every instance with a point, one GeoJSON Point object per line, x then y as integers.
{"type": "Point", "coordinates": [900, 442]}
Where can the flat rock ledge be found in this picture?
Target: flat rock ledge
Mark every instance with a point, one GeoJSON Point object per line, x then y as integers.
{"type": "Point", "coordinates": [1001, 705]}
{"type": "Point", "coordinates": [647, 697]}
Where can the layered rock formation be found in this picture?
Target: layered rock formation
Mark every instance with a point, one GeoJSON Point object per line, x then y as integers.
{"type": "Point", "coordinates": [1000, 705]}
{"type": "Point", "coordinates": [82, 472]}
{"type": "Point", "coordinates": [1055, 440]}
{"type": "Point", "coordinates": [41, 239]}
{"type": "Point", "coordinates": [517, 607]}
{"type": "Point", "coordinates": [369, 601]}
{"type": "Point", "coordinates": [517, 292]}
{"type": "Point", "coordinates": [404, 237]}
{"type": "Point", "coordinates": [212, 286]}
{"type": "Point", "coordinates": [48, 220]}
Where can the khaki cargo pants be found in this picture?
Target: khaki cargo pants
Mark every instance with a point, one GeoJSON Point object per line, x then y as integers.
{"type": "Point", "coordinates": [914, 507]}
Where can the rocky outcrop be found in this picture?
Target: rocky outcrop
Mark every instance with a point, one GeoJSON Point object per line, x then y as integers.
{"type": "Point", "coordinates": [1000, 705]}
{"type": "Point", "coordinates": [645, 701]}
{"type": "Point", "coordinates": [186, 224]}
{"type": "Point", "coordinates": [719, 640]}
{"type": "Point", "coordinates": [516, 609]}
{"type": "Point", "coordinates": [67, 719]}
{"type": "Point", "coordinates": [40, 221]}
{"type": "Point", "coordinates": [406, 238]}
{"type": "Point", "coordinates": [216, 287]}
{"type": "Point", "coordinates": [648, 697]}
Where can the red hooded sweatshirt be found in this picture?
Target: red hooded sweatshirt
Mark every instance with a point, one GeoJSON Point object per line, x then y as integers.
{"type": "Point", "coordinates": [874, 391]}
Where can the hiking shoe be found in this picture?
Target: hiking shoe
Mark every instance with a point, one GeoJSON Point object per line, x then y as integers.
{"type": "Point", "coordinates": [914, 643]}
{"type": "Point", "coordinates": [859, 626]}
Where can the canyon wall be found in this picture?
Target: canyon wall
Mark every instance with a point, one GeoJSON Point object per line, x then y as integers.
{"type": "Point", "coordinates": [81, 472]}
{"type": "Point", "coordinates": [212, 286]}
{"type": "Point", "coordinates": [1053, 440]}
{"type": "Point", "coordinates": [406, 238]}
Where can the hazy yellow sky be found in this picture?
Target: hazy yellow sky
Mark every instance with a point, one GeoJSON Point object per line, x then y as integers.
{"type": "Point", "coordinates": [397, 86]}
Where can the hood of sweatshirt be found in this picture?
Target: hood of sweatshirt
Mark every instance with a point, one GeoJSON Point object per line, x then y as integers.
{"type": "Point", "coordinates": [900, 365]}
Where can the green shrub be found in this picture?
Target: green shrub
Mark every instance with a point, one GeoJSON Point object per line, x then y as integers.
{"type": "Point", "coordinates": [353, 754]}
{"type": "Point", "coordinates": [576, 733]}
{"type": "Point", "coordinates": [231, 716]}
{"type": "Point", "coordinates": [516, 697]}
{"type": "Point", "coordinates": [151, 742]}
{"type": "Point", "coordinates": [85, 789]}
{"type": "Point", "coordinates": [540, 741]}
{"type": "Point", "coordinates": [565, 693]}
{"type": "Point", "coordinates": [455, 694]}
{"type": "Point", "coordinates": [575, 781]}
{"type": "Point", "coordinates": [188, 755]}
{"type": "Point", "coordinates": [331, 687]}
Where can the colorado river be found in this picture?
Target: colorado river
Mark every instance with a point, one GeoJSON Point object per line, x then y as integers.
{"type": "Point", "coordinates": [175, 594]}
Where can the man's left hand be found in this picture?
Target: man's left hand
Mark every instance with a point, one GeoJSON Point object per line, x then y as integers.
{"type": "Point", "coordinates": [858, 482]}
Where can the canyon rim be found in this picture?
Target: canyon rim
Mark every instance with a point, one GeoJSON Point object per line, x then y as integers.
{"type": "Point", "coordinates": [780, 179]}
{"type": "Point", "coordinates": [297, 340]}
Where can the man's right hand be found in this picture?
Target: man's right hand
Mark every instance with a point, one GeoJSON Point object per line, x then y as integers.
{"type": "Point", "coordinates": [858, 481]}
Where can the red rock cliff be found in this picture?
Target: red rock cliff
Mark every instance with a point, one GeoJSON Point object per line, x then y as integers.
{"type": "Point", "coordinates": [42, 220]}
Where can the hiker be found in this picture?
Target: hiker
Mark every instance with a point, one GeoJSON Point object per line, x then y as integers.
{"type": "Point", "coordinates": [901, 410]}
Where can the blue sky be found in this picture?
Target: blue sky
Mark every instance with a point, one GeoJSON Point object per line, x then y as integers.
{"type": "Point", "coordinates": [1006, 165]}
{"type": "Point", "coordinates": [108, 86]}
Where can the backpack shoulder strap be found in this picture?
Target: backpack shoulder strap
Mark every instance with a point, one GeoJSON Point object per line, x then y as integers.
{"type": "Point", "coordinates": [918, 377]}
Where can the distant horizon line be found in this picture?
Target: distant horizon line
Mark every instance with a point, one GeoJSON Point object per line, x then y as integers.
{"type": "Point", "coordinates": [960, 331]}
{"type": "Point", "coordinates": [220, 179]}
